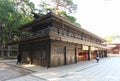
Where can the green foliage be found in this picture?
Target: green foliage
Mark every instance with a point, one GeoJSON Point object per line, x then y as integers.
{"type": "Point", "coordinates": [55, 5]}
{"type": "Point", "coordinates": [77, 24]}
{"type": "Point", "coordinates": [60, 7]}
{"type": "Point", "coordinates": [13, 14]}
{"type": "Point", "coordinates": [12, 57]}
{"type": "Point", "coordinates": [7, 17]}
{"type": "Point", "coordinates": [70, 18]}
{"type": "Point", "coordinates": [111, 38]}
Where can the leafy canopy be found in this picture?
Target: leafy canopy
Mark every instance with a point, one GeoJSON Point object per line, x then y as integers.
{"type": "Point", "coordinates": [13, 14]}
{"type": "Point", "coordinates": [111, 38]}
{"type": "Point", "coordinates": [59, 7]}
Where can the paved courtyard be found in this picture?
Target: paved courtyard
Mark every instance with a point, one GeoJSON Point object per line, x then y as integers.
{"type": "Point", "coordinates": [108, 69]}
{"type": "Point", "coordinates": [10, 71]}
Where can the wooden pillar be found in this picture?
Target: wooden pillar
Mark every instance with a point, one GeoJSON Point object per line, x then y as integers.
{"type": "Point", "coordinates": [102, 52]}
{"type": "Point", "coordinates": [119, 48]}
{"type": "Point", "coordinates": [2, 53]}
{"type": "Point", "coordinates": [89, 53]}
{"type": "Point", "coordinates": [76, 53]}
{"type": "Point", "coordinates": [105, 53]}
{"type": "Point", "coordinates": [97, 52]}
{"type": "Point", "coordinates": [31, 54]}
{"type": "Point", "coordinates": [65, 62]}
{"type": "Point", "coordinates": [19, 49]}
{"type": "Point", "coordinates": [8, 51]}
{"type": "Point", "coordinates": [49, 54]}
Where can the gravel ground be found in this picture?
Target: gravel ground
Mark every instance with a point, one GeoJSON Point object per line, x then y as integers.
{"type": "Point", "coordinates": [9, 72]}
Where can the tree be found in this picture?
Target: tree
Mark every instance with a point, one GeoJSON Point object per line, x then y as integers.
{"type": "Point", "coordinates": [111, 38]}
{"type": "Point", "coordinates": [59, 7]}
{"type": "Point", "coordinates": [24, 7]}
{"type": "Point", "coordinates": [14, 13]}
{"type": "Point", "coordinates": [7, 19]}
{"type": "Point", "coordinates": [72, 19]}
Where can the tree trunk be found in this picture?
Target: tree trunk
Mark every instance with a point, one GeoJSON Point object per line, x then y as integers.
{"type": "Point", "coordinates": [8, 51]}
{"type": "Point", "coordinates": [2, 52]}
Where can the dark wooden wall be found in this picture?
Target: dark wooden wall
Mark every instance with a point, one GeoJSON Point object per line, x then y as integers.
{"type": "Point", "coordinates": [37, 52]}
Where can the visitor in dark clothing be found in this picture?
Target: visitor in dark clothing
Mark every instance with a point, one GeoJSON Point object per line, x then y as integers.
{"type": "Point", "coordinates": [19, 58]}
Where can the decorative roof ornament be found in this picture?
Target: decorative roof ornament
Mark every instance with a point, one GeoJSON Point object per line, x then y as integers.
{"type": "Point", "coordinates": [35, 15]}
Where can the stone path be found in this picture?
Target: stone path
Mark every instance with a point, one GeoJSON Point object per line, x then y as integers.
{"type": "Point", "coordinates": [9, 71]}
{"type": "Point", "coordinates": [108, 69]}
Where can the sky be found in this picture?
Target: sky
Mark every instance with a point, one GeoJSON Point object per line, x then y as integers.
{"type": "Point", "coordinates": [101, 17]}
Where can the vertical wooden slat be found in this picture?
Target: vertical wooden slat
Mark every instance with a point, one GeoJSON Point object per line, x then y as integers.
{"type": "Point", "coordinates": [65, 55]}
{"type": "Point", "coordinates": [89, 53]}
{"type": "Point", "coordinates": [49, 54]}
{"type": "Point", "coordinates": [75, 53]}
{"type": "Point", "coordinates": [31, 53]}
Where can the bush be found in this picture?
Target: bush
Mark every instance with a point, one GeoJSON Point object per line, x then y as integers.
{"type": "Point", "coordinates": [2, 58]}
{"type": "Point", "coordinates": [13, 57]}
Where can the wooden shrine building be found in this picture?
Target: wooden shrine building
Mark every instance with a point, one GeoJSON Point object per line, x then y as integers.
{"type": "Point", "coordinates": [114, 47]}
{"type": "Point", "coordinates": [55, 41]}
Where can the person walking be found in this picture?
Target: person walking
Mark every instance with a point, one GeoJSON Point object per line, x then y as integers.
{"type": "Point", "coordinates": [19, 59]}
{"type": "Point", "coordinates": [97, 58]}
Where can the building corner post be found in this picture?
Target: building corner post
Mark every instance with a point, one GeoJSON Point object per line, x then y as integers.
{"type": "Point", "coordinates": [89, 53]}
{"type": "Point", "coordinates": [49, 54]}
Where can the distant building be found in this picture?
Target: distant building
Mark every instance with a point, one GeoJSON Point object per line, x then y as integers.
{"type": "Point", "coordinates": [55, 41]}
{"type": "Point", "coordinates": [114, 47]}
{"type": "Point", "coordinates": [9, 52]}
